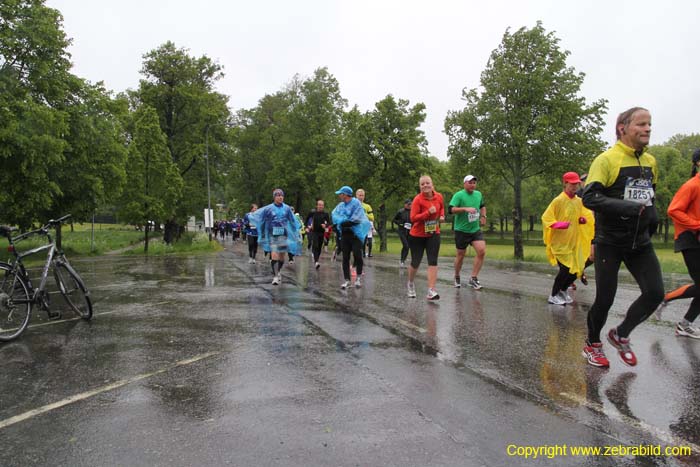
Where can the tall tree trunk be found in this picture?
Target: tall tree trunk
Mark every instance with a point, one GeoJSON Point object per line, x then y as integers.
{"type": "Point", "coordinates": [518, 219]}
{"type": "Point", "coordinates": [59, 237]}
{"type": "Point", "coordinates": [145, 244]}
{"type": "Point", "coordinates": [170, 231]}
{"type": "Point", "coordinates": [381, 227]}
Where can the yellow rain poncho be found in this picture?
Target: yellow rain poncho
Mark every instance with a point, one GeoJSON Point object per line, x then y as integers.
{"type": "Point", "coordinates": [571, 246]}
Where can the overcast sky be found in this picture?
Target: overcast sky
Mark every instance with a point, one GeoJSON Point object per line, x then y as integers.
{"type": "Point", "coordinates": [633, 52]}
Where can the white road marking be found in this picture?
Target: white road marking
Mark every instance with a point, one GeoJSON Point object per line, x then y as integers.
{"type": "Point", "coordinates": [86, 395]}
{"type": "Point", "coordinates": [411, 326]}
{"type": "Point", "coordinates": [49, 323]}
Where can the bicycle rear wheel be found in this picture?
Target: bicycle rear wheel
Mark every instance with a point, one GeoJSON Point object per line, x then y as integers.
{"type": "Point", "coordinates": [73, 290]}
{"type": "Point", "coordinates": [15, 304]}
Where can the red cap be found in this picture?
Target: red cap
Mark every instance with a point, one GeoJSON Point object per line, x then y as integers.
{"type": "Point", "coordinates": [571, 177]}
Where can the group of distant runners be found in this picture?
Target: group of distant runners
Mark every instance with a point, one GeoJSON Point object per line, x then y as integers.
{"type": "Point", "coordinates": [605, 218]}
{"type": "Point", "coordinates": [276, 228]}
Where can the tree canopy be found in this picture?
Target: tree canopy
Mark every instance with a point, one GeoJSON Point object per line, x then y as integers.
{"type": "Point", "coordinates": [61, 146]}
{"type": "Point", "coordinates": [68, 145]}
{"type": "Point", "coordinates": [527, 119]}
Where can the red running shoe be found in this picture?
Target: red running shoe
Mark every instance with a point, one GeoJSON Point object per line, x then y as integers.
{"type": "Point", "coordinates": [595, 355]}
{"type": "Point", "coordinates": [622, 344]}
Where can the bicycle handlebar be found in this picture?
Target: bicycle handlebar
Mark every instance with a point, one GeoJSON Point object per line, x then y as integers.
{"type": "Point", "coordinates": [43, 230]}
{"type": "Point", "coordinates": [57, 221]}
{"type": "Point", "coordinates": [6, 230]}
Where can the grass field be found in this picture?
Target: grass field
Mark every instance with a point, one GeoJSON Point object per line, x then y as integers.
{"type": "Point", "coordinates": [111, 237]}
{"type": "Point", "coordinates": [534, 251]}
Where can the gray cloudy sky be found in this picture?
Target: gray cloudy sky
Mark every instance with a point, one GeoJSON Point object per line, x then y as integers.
{"type": "Point", "coordinates": [633, 52]}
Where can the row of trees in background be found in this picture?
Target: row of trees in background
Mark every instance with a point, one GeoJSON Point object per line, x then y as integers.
{"type": "Point", "coordinates": [67, 145]}
{"type": "Point", "coordinates": [305, 140]}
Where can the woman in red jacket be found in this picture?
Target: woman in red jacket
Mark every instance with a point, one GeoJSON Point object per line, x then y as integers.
{"type": "Point", "coordinates": [684, 210]}
{"type": "Point", "coordinates": [427, 211]}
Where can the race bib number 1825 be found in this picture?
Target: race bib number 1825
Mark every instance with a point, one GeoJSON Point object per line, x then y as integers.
{"type": "Point", "coordinates": [639, 190]}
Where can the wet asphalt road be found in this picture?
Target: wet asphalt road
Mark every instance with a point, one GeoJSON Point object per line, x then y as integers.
{"type": "Point", "coordinates": [200, 361]}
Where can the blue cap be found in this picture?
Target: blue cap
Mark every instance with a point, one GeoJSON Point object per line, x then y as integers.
{"type": "Point", "coordinates": [344, 190]}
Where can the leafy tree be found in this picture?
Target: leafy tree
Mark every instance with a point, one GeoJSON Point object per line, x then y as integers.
{"type": "Point", "coordinates": [191, 115]}
{"type": "Point", "coordinates": [528, 118]}
{"type": "Point", "coordinates": [674, 160]}
{"type": "Point", "coordinates": [391, 152]}
{"type": "Point", "coordinates": [285, 139]}
{"type": "Point", "coordinates": [61, 145]}
{"type": "Point", "coordinates": [154, 184]}
{"type": "Point", "coordinates": [342, 168]}
{"type": "Point", "coordinates": [309, 136]}
{"type": "Point", "coordinates": [257, 137]}
{"type": "Point", "coordinates": [34, 91]}
{"type": "Point", "coordinates": [93, 172]}
{"type": "Point", "coordinates": [674, 170]}
{"type": "Point", "coordinates": [685, 144]}
{"type": "Point", "coordinates": [33, 56]}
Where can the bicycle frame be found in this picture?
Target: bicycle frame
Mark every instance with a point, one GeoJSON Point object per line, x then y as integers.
{"type": "Point", "coordinates": [69, 283]}
{"type": "Point", "coordinates": [50, 257]}
{"type": "Point", "coordinates": [44, 274]}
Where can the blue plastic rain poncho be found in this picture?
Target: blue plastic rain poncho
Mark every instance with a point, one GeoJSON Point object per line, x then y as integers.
{"type": "Point", "coordinates": [351, 211]}
{"type": "Point", "coordinates": [278, 229]}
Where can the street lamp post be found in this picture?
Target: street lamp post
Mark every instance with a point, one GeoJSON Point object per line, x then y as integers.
{"type": "Point", "coordinates": [206, 157]}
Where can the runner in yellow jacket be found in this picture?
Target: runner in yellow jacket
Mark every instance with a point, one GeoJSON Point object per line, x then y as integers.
{"type": "Point", "coordinates": [568, 229]}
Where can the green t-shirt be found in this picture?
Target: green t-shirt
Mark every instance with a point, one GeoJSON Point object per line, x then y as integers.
{"type": "Point", "coordinates": [464, 221]}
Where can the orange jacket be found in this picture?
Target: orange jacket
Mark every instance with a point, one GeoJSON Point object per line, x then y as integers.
{"type": "Point", "coordinates": [420, 214]}
{"type": "Point", "coordinates": [684, 209]}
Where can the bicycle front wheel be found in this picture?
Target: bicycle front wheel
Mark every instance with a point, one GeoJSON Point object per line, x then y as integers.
{"type": "Point", "coordinates": [15, 304]}
{"type": "Point", "coordinates": [73, 290]}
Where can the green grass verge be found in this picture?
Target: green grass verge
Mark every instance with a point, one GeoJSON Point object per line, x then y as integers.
{"type": "Point", "coordinates": [109, 238]}
{"type": "Point", "coordinates": [189, 243]}
{"type": "Point", "coordinates": [533, 251]}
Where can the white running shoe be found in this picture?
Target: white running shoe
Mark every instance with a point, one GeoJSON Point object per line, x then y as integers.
{"type": "Point", "coordinates": [345, 285]}
{"type": "Point", "coordinates": [277, 280]}
{"type": "Point", "coordinates": [687, 331]}
{"type": "Point", "coordinates": [566, 297]}
{"type": "Point", "coordinates": [556, 300]}
{"type": "Point", "coordinates": [433, 294]}
{"type": "Point", "coordinates": [358, 282]}
{"type": "Point", "coordinates": [411, 290]}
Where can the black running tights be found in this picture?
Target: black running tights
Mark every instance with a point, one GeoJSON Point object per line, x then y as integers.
{"type": "Point", "coordinates": [644, 266]}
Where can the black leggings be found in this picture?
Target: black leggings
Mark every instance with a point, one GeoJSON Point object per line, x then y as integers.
{"type": "Point", "coordinates": [252, 246]}
{"type": "Point", "coordinates": [692, 262]}
{"type": "Point", "coordinates": [563, 279]}
{"type": "Point", "coordinates": [368, 244]}
{"type": "Point", "coordinates": [643, 264]}
{"type": "Point", "coordinates": [316, 244]}
{"type": "Point", "coordinates": [431, 246]}
{"type": "Point", "coordinates": [350, 243]}
{"type": "Point", "coordinates": [403, 236]}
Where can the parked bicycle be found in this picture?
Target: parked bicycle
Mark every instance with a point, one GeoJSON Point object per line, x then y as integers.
{"type": "Point", "coordinates": [17, 293]}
